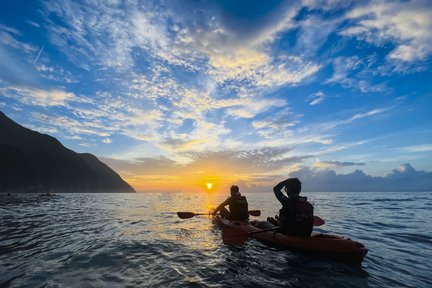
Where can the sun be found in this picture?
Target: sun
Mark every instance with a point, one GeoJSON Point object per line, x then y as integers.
{"type": "Point", "coordinates": [209, 185]}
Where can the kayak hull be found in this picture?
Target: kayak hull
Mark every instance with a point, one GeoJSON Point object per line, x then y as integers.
{"type": "Point", "coordinates": [337, 247]}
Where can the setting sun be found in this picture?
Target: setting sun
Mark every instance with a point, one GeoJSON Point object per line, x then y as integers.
{"type": "Point", "coordinates": [209, 185]}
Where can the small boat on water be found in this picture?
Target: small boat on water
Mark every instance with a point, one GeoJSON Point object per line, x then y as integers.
{"type": "Point", "coordinates": [333, 246]}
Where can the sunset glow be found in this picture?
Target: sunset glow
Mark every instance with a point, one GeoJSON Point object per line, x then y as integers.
{"type": "Point", "coordinates": [209, 186]}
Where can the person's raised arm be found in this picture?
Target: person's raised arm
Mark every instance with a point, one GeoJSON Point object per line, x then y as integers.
{"type": "Point", "coordinates": [278, 193]}
{"type": "Point", "coordinates": [223, 204]}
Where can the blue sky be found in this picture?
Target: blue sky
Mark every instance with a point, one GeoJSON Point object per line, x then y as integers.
{"type": "Point", "coordinates": [248, 91]}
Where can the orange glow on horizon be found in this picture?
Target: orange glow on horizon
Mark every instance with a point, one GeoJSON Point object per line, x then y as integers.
{"type": "Point", "coordinates": [206, 181]}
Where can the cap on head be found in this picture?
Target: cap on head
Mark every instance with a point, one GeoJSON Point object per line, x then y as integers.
{"type": "Point", "coordinates": [234, 190]}
{"type": "Point", "coordinates": [293, 186]}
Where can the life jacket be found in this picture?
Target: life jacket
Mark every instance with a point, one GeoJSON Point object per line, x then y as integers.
{"type": "Point", "coordinates": [239, 208]}
{"type": "Point", "coordinates": [296, 217]}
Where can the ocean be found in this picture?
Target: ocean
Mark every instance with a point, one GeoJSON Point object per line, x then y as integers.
{"type": "Point", "coordinates": [137, 240]}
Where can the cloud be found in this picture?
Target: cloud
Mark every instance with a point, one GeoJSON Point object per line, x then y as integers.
{"type": "Point", "coordinates": [259, 170]}
{"type": "Point", "coordinates": [417, 148]}
{"type": "Point", "coordinates": [344, 69]}
{"type": "Point", "coordinates": [74, 127]}
{"type": "Point", "coordinates": [223, 165]}
{"type": "Point", "coordinates": [327, 5]}
{"type": "Point", "coordinates": [259, 70]}
{"type": "Point", "coordinates": [247, 161]}
{"type": "Point", "coordinates": [316, 98]}
{"type": "Point", "coordinates": [406, 178]}
{"type": "Point", "coordinates": [222, 59]}
{"type": "Point", "coordinates": [32, 23]}
{"type": "Point", "coordinates": [406, 24]}
{"type": "Point", "coordinates": [227, 52]}
{"type": "Point", "coordinates": [354, 72]}
{"type": "Point", "coordinates": [15, 63]}
{"type": "Point", "coordinates": [39, 97]}
{"type": "Point", "coordinates": [318, 164]}
{"type": "Point", "coordinates": [252, 108]}
{"type": "Point", "coordinates": [330, 125]}
{"type": "Point", "coordinates": [283, 128]}
{"type": "Point", "coordinates": [370, 113]}
{"type": "Point", "coordinates": [314, 31]}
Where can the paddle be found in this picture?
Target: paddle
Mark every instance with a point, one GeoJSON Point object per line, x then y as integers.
{"type": "Point", "coordinates": [238, 237]}
{"type": "Point", "coordinates": [318, 221]}
{"type": "Point", "coordinates": [187, 215]}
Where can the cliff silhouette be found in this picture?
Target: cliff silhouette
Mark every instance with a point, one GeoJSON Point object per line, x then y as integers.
{"type": "Point", "coordinates": [35, 162]}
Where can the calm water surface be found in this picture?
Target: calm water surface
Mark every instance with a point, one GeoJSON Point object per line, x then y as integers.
{"type": "Point", "coordinates": [136, 240]}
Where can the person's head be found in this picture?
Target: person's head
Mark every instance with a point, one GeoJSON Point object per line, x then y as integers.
{"type": "Point", "coordinates": [293, 187]}
{"type": "Point", "coordinates": [234, 190]}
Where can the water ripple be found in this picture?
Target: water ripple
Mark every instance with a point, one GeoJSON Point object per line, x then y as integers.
{"type": "Point", "coordinates": [115, 240]}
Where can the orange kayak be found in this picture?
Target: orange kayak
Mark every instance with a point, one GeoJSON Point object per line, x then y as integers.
{"type": "Point", "coordinates": [336, 247]}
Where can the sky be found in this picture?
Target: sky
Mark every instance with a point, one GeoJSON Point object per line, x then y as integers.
{"type": "Point", "coordinates": [177, 94]}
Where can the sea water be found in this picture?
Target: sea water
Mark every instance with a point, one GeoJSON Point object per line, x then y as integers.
{"type": "Point", "coordinates": [137, 240]}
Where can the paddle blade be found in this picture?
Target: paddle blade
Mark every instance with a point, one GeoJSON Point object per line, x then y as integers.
{"type": "Point", "coordinates": [185, 215]}
{"type": "Point", "coordinates": [233, 237]}
{"type": "Point", "coordinates": [318, 221]}
{"type": "Point", "coordinates": [255, 212]}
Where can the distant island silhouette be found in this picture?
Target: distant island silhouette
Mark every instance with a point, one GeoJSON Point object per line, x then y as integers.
{"type": "Point", "coordinates": [35, 162]}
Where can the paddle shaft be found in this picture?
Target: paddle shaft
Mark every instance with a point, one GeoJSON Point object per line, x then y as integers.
{"type": "Point", "coordinates": [264, 230]}
{"type": "Point", "coordinates": [318, 222]}
{"type": "Point", "coordinates": [187, 215]}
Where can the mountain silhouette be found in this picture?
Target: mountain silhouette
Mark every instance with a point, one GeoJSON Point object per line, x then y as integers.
{"type": "Point", "coordinates": [35, 162]}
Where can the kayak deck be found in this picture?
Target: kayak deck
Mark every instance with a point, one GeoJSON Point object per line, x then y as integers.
{"type": "Point", "coordinates": [337, 247]}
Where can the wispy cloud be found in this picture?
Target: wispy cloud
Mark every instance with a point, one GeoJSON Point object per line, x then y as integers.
{"type": "Point", "coordinates": [334, 164]}
{"type": "Point", "coordinates": [15, 58]}
{"type": "Point", "coordinates": [370, 113]}
{"type": "Point", "coordinates": [39, 97]}
{"type": "Point", "coordinates": [417, 148]}
{"type": "Point", "coordinates": [32, 23]}
{"type": "Point", "coordinates": [332, 124]}
{"type": "Point", "coordinates": [212, 50]}
{"type": "Point", "coordinates": [316, 98]}
{"type": "Point", "coordinates": [195, 82]}
{"type": "Point", "coordinates": [407, 24]}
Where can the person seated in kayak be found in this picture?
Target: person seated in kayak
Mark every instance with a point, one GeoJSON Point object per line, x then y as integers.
{"type": "Point", "coordinates": [238, 206]}
{"type": "Point", "coordinates": [296, 216]}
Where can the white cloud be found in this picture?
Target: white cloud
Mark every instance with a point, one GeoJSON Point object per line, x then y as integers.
{"type": "Point", "coordinates": [327, 5]}
{"type": "Point", "coordinates": [116, 38]}
{"type": "Point", "coordinates": [417, 148]}
{"type": "Point", "coordinates": [343, 68]}
{"type": "Point", "coordinates": [173, 38]}
{"type": "Point", "coordinates": [407, 24]}
{"type": "Point", "coordinates": [252, 107]}
{"type": "Point", "coordinates": [32, 23]}
{"type": "Point", "coordinates": [39, 97]}
{"type": "Point", "coordinates": [74, 127]}
{"type": "Point", "coordinates": [330, 125]}
{"type": "Point", "coordinates": [370, 113]}
{"type": "Point", "coordinates": [316, 98]}
{"type": "Point", "coordinates": [314, 32]}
